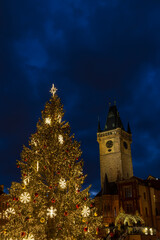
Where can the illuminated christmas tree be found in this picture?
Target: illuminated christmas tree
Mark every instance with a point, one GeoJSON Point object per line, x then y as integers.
{"type": "Point", "coordinates": [49, 202]}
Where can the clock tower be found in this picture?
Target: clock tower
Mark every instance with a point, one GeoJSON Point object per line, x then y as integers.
{"type": "Point", "coordinates": [114, 149]}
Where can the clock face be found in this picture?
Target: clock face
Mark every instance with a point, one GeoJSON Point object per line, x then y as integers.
{"type": "Point", "coordinates": [125, 145]}
{"type": "Point", "coordinates": [109, 144]}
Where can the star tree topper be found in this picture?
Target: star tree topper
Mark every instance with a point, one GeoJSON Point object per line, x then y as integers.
{"type": "Point", "coordinates": [53, 90]}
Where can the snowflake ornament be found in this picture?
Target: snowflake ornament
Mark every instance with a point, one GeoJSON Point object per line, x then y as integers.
{"type": "Point", "coordinates": [48, 121]}
{"type": "Point", "coordinates": [53, 90]}
{"type": "Point", "coordinates": [62, 183]}
{"type": "Point", "coordinates": [86, 211]}
{"type": "Point", "coordinates": [9, 211]}
{"type": "Point", "coordinates": [25, 197]}
{"type": "Point", "coordinates": [60, 138]}
{"type": "Point", "coordinates": [51, 212]}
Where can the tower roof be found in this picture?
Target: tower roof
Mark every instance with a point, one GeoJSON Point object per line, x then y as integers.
{"type": "Point", "coordinates": [113, 119]}
{"type": "Point", "coordinates": [99, 127]}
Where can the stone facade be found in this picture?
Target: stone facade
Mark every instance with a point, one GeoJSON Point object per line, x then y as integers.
{"type": "Point", "coordinates": [115, 155]}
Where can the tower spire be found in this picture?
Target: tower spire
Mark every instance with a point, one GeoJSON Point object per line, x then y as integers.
{"type": "Point", "coordinates": [113, 119]}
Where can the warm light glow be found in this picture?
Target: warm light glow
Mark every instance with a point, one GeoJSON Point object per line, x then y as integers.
{"type": "Point", "coordinates": [9, 211]}
{"type": "Point", "coordinates": [30, 237]}
{"type": "Point", "coordinates": [50, 201]}
{"type": "Point", "coordinates": [85, 211]}
{"type": "Point", "coordinates": [48, 121]}
{"type": "Point", "coordinates": [53, 90]}
{"type": "Point", "coordinates": [51, 212]}
{"type": "Point", "coordinates": [60, 138]}
{"type": "Point", "coordinates": [151, 231]}
{"type": "Point", "coordinates": [108, 230]}
{"type": "Point", "coordinates": [26, 180]}
{"type": "Point", "coordinates": [34, 142]}
{"type": "Point", "coordinates": [25, 197]}
{"type": "Point", "coordinates": [146, 231]}
{"type": "Point", "coordinates": [154, 197]}
{"type": "Point", "coordinates": [62, 183]}
{"type": "Point", "coordinates": [37, 166]}
{"type": "Point", "coordinates": [59, 118]}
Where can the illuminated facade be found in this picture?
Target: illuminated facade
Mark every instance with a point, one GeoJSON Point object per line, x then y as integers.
{"type": "Point", "coordinates": [119, 188]}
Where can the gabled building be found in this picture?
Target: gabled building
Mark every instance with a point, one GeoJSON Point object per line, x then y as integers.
{"type": "Point", "coordinates": [119, 187]}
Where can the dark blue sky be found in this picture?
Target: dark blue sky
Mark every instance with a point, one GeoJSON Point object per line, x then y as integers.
{"type": "Point", "coordinates": [93, 51]}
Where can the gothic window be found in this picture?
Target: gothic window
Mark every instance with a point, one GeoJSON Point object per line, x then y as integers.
{"type": "Point", "coordinates": [144, 195]}
{"type": "Point", "coordinates": [128, 192]}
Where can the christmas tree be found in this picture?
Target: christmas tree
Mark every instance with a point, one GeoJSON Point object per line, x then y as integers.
{"type": "Point", "coordinates": [48, 203]}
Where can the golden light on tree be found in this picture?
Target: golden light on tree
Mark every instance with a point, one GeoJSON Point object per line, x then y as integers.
{"type": "Point", "coordinates": [49, 202]}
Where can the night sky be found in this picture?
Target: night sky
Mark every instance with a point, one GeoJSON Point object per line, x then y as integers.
{"type": "Point", "coordinates": [93, 51]}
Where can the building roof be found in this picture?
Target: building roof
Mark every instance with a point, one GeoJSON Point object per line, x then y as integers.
{"type": "Point", "coordinates": [113, 119]}
{"type": "Point", "coordinates": [109, 188]}
{"type": "Point", "coordinates": [153, 182]}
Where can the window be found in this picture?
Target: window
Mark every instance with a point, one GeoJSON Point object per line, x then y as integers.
{"type": "Point", "coordinates": [144, 195]}
{"type": "Point", "coordinates": [128, 192]}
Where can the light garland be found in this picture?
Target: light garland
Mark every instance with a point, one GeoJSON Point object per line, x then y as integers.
{"type": "Point", "coordinates": [59, 118]}
{"type": "Point", "coordinates": [30, 237]}
{"type": "Point", "coordinates": [26, 180]}
{"type": "Point", "coordinates": [60, 138]}
{"type": "Point", "coordinates": [37, 166]}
